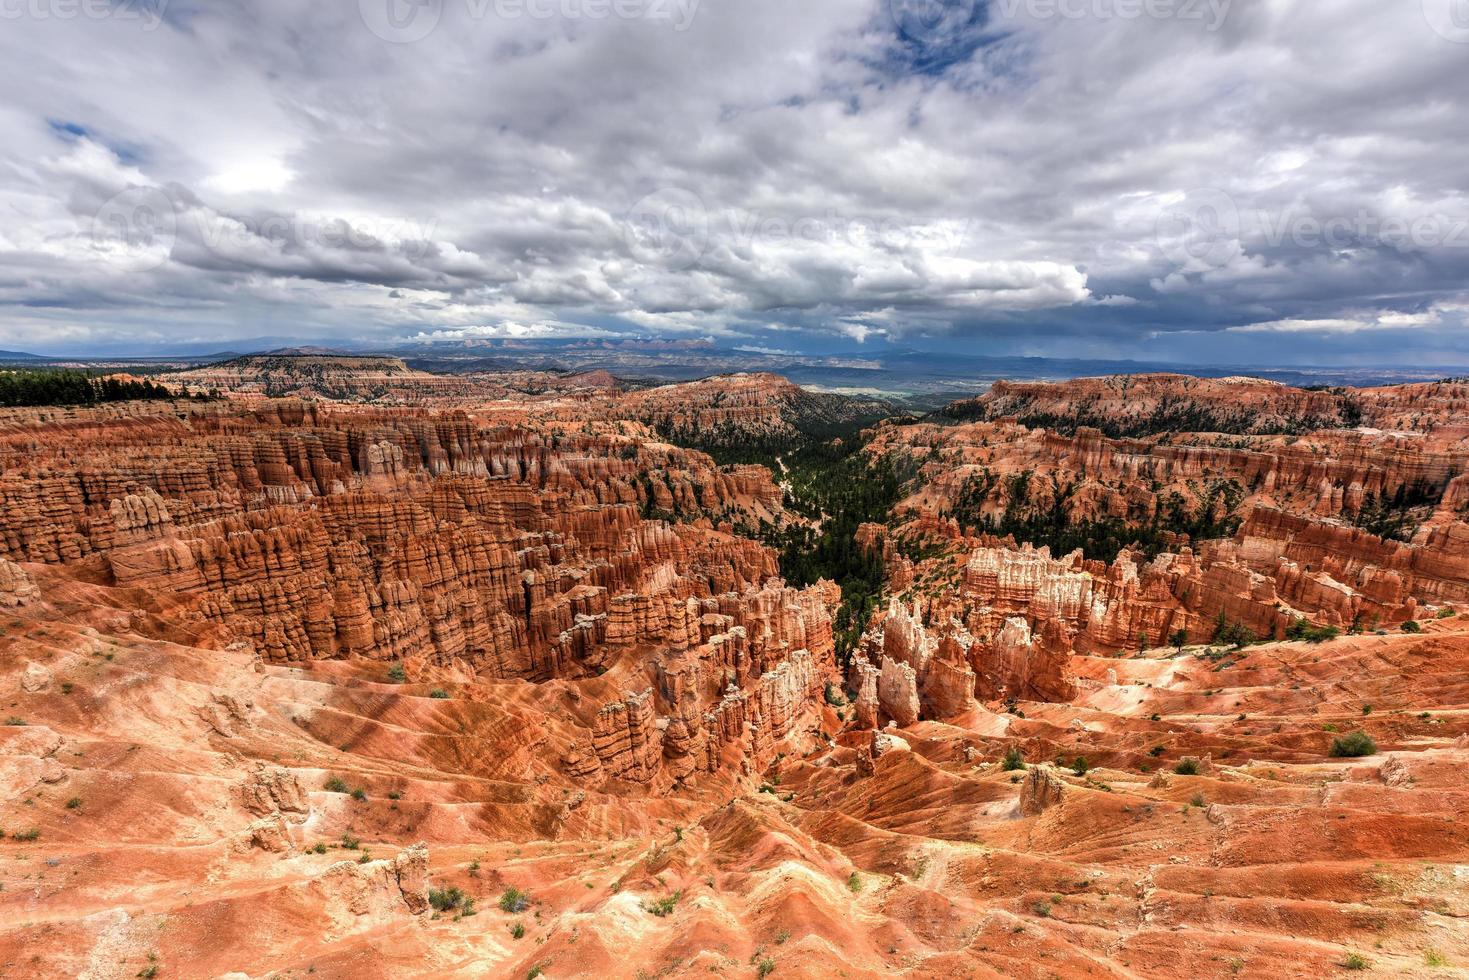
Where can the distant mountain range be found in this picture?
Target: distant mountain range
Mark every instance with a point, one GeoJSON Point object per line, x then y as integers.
{"type": "Point", "coordinates": [914, 378]}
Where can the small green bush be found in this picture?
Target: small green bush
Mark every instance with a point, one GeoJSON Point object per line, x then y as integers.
{"type": "Point", "coordinates": [854, 883]}
{"type": "Point", "coordinates": [444, 899]}
{"type": "Point", "coordinates": [335, 785]}
{"type": "Point", "coordinates": [517, 931]}
{"type": "Point", "coordinates": [1303, 630]}
{"type": "Point", "coordinates": [1014, 759]}
{"type": "Point", "coordinates": [1354, 962]}
{"type": "Point", "coordinates": [27, 835]}
{"type": "Point", "coordinates": [513, 900]}
{"type": "Point", "coordinates": [663, 907]}
{"type": "Point", "coordinates": [397, 674]}
{"type": "Point", "coordinates": [438, 693]}
{"type": "Point", "coordinates": [1411, 626]}
{"type": "Point", "coordinates": [350, 843]}
{"type": "Point", "coordinates": [1187, 767]}
{"type": "Point", "coordinates": [1353, 746]}
{"type": "Point", "coordinates": [359, 794]}
{"type": "Point", "coordinates": [75, 803]}
{"type": "Point", "coordinates": [1080, 766]}
{"type": "Point", "coordinates": [765, 969]}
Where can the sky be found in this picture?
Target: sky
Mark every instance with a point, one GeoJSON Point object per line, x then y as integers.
{"type": "Point", "coordinates": [1197, 181]}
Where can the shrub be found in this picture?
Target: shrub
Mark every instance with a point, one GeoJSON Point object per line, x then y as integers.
{"type": "Point", "coordinates": [438, 693]}
{"type": "Point", "coordinates": [1156, 751]}
{"type": "Point", "coordinates": [467, 909]}
{"type": "Point", "coordinates": [12, 720]}
{"type": "Point", "coordinates": [513, 900]}
{"type": "Point", "coordinates": [397, 674]}
{"type": "Point", "coordinates": [1353, 746]}
{"type": "Point", "coordinates": [444, 899]}
{"type": "Point", "coordinates": [1354, 962]}
{"type": "Point", "coordinates": [350, 843]}
{"type": "Point", "coordinates": [765, 969]}
{"type": "Point", "coordinates": [335, 785]}
{"type": "Point", "coordinates": [1366, 709]}
{"type": "Point", "coordinates": [1198, 800]}
{"type": "Point", "coordinates": [1432, 957]}
{"type": "Point", "coordinates": [1444, 613]}
{"type": "Point", "coordinates": [1234, 634]}
{"type": "Point", "coordinates": [359, 794]}
{"type": "Point", "coordinates": [834, 696]}
{"type": "Point", "coordinates": [663, 907]}
{"type": "Point", "coordinates": [320, 848]}
{"type": "Point", "coordinates": [1079, 765]}
{"type": "Point", "coordinates": [364, 857]}
{"type": "Point", "coordinates": [75, 803]}
{"type": "Point", "coordinates": [1013, 760]}
{"type": "Point", "coordinates": [394, 795]}
{"type": "Point", "coordinates": [1411, 626]}
{"type": "Point", "coordinates": [854, 883]}
{"type": "Point", "coordinates": [1303, 630]}
{"type": "Point", "coordinates": [1187, 767]}
{"type": "Point", "coordinates": [27, 835]}
{"type": "Point", "coordinates": [517, 931]}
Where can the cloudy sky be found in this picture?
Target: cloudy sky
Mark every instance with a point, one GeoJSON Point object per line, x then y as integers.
{"type": "Point", "coordinates": [1191, 180]}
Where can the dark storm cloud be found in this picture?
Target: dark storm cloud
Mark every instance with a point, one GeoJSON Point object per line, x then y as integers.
{"type": "Point", "coordinates": [1167, 178]}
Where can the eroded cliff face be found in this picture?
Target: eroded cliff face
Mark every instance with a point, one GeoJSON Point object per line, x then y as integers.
{"type": "Point", "coordinates": [1284, 527]}
{"type": "Point", "coordinates": [283, 675]}
{"type": "Point", "coordinates": [449, 543]}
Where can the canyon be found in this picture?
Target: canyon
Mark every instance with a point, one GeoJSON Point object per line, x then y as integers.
{"type": "Point", "coordinates": [360, 670]}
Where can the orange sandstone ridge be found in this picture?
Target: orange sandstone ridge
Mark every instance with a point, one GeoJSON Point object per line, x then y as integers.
{"type": "Point", "coordinates": [489, 687]}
